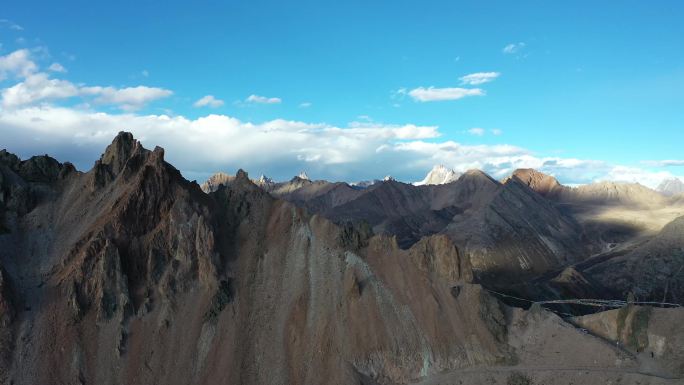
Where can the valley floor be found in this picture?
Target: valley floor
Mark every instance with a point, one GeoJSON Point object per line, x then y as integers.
{"type": "Point", "coordinates": [557, 375]}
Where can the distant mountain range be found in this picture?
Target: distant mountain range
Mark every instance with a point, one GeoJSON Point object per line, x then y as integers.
{"type": "Point", "coordinates": [523, 226]}
{"type": "Point", "coordinates": [130, 274]}
{"type": "Point", "coordinates": [672, 186]}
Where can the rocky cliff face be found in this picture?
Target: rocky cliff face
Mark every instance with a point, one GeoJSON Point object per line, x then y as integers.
{"type": "Point", "coordinates": [128, 273]}
{"type": "Point", "coordinates": [651, 333]}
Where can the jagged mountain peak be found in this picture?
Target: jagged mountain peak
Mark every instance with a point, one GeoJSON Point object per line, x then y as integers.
{"type": "Point", "coordinates": [122, 148]}
{"type": "Point", "coordinates": [303, 175]}
{"type": "Point", "coordinates": [38, 168]}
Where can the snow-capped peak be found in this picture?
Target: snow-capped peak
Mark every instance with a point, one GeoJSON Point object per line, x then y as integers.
{"type": "Point", "coordinates": [388, 178]}
{"type": "Point", "coordinates": [302, 175]}
{"type": "Point", "coordinates": [439, 175]}
{"type": "Point", "coordinates": [264, 180]}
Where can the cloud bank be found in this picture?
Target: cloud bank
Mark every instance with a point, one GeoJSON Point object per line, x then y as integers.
{"type": "Point", "coordinates": [35, 119]}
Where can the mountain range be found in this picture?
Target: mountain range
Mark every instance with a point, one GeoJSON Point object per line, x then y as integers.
{"type": "Point", "coordinates": [129, 273]}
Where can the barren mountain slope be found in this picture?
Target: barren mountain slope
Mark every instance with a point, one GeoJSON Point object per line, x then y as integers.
{"type": "Point", "coordinates": [607, 193]}
{"type": "Point", "coordinates": [653, 271]}
{"type": "Point", "coordinates": [517, 234]}
{"type": "Point", "coordinates": [544, 184]}
{"type": "Point", "coordinates": [614, 213]}
{"type": "Point", "coordinates": [506, 229]}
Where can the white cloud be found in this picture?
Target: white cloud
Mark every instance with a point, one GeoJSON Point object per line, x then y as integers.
{"type": "Point", "coordinates": [208, 101]}
{"type": "Point", "coordinates": [129, 98]}
{"type": "Point", "coordinates": [360, 150]}
{"type": "Point", "coordinates": [476, 131]}
{"type": "Point", "coordinates": [36, 88]}
{"type": "Point", "coordinates": [32, 123]}
{"type": "Point", "coordinates": [432, 94]}
{"type": "Point", "coordinates": [207, 143]}
{"type": "Point", "coordinates": [305, 105]}
{"type": "Point", "coordinates": [513, 48]}
{"type": "Point", "coordinates": [664, 163]}
{"type": "Point", "coordinates": [262, 99]}
{"type": "Point", "coordinates": [17, 63]}
{"type": "Point", "coordinates": [479, 78]}
{"type": "Point", "coordinates": [40, 88]}
{"type": "Point", "coordinates": [56, 67]}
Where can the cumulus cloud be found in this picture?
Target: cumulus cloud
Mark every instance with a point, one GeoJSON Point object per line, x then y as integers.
{"type": "Point", "coordinates": [513, 48]}
{"type": "Point", "coordinates": [208, 143]}
{"type": "Point", "coordinates": [56, 67]}
{"type": "Point", "coordinates": [17, 63]}
{"type": "Point", "coordinates": [432, 94]}
{"type": "Point", "coordinates": [33, 122]}
{"type": "Point", "coordinates": [129, 98]}
{"type": "Point", "coordinates": [39, 87]}
{"type": "Point", "coordinates": [262, 99]}
{"type": "Point", "coordinates": [35, 88]}
{"type": "Point", "coordinates": [479, 78]}
{"type": "Point", "coordinates": [208, 101]}
{"type": "Point", "coordinates": [359, 150]}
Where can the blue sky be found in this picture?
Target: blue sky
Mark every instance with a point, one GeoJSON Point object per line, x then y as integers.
{"type": "Point", "coordinates": [594, 86]}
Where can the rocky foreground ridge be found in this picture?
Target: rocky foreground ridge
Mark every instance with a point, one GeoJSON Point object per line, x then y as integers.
{"type": "Point", "coordinates": [128, 273]}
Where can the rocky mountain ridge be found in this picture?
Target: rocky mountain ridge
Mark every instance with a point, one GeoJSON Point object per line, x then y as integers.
{"type": "Point", "coordinates": [128, 273]}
